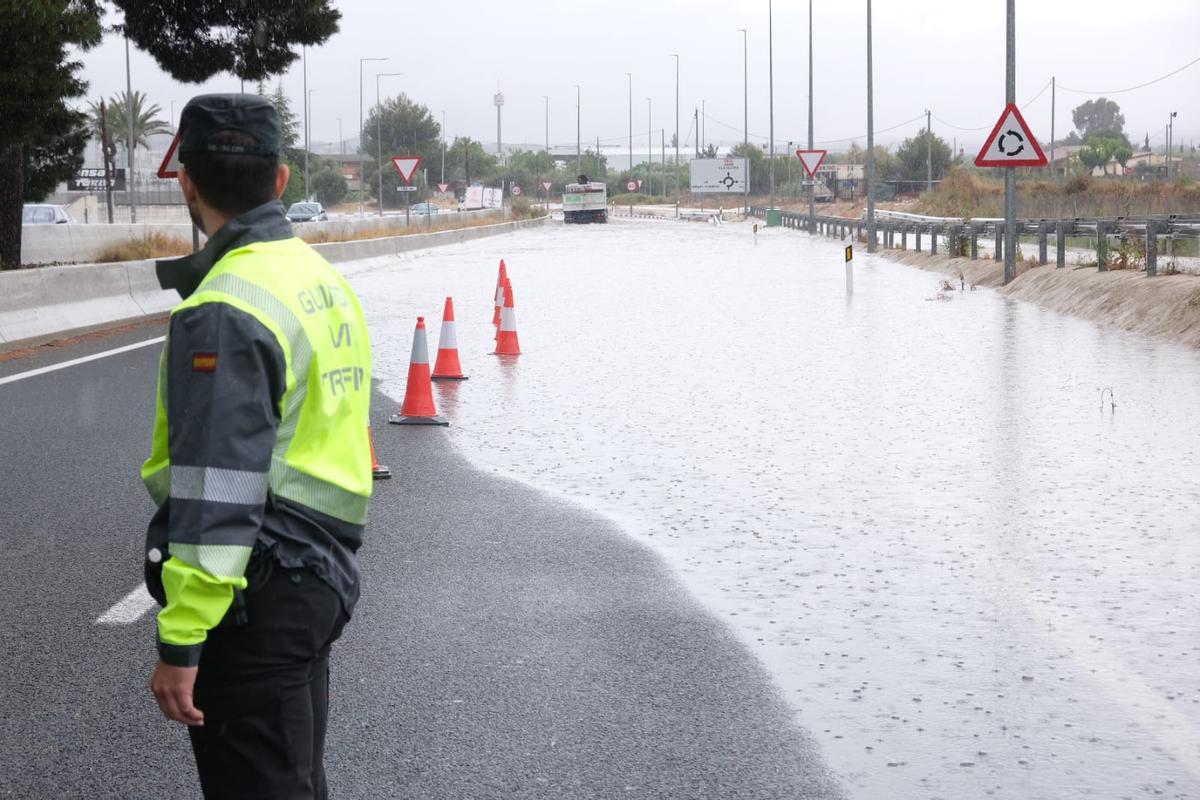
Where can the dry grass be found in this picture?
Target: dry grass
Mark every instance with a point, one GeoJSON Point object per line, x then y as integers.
{"type": "Point", "coordinates": [152, 245]}
{"type": "Point", "coordinates": [966, 194]}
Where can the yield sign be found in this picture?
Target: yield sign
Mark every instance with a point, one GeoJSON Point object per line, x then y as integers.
{"type": "Point", "coordinates": [1011, 143]}
{"type": "Point", "coordinates": [546, 185]}
{"type": "Point", "coordinates": [811, 159]}
{"type": "Point", "coordinates": [442, 187]}
{"type": "Point", "coordinates": [406, 166]}
{"type": "Point", "coordinates": [169, 168]}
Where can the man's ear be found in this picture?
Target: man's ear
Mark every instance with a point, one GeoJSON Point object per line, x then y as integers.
{"type": "Point", "coordinates": [185, 183]}
{"type": "Point", "coordinates": [281, 179]}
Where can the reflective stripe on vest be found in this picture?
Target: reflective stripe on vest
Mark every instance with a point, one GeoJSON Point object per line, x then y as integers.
{"type": "Point", "coordinates": [286, 478]}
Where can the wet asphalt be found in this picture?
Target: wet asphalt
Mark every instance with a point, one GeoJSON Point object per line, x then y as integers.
{"type": "Point", "coordinates": [507, 645]}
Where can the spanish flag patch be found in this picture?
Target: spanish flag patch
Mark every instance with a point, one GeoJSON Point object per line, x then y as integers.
{"type": "Point", "coordinates": [204, 362]}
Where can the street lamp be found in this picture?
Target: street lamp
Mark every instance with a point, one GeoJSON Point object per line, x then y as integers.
{"type": "Point", "coordinates": [578, 140]}
{"type": "Point", "coordinates": [746, 111]}
{"type": "Point", "coordinates": [361, 185]}
{"type": "Point", "coordinates": [443, 132]}
{"type": "Point", "coordinates": [307, 111]}
{"type": "Point", "coordinates": [630, 76]}
{"type": "Point", "coordinates": [676, 57]}
{"type": "Point", "coordinates": [650, 144]}
{"type": "Point", "coordinates": [771, 93]}
{"type": "Point", "coordinates": [379, 134]}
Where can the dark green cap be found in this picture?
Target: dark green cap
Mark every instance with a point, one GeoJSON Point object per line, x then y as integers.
{"type": "Point", "coordinates": [209, 114]}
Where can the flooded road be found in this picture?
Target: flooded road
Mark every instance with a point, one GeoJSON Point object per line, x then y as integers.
{"type": "Point", "coordinates": [969, 574]}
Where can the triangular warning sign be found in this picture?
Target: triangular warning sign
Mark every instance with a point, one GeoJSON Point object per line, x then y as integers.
{"type": "Point", "coordinates": [406, 166]}
{"type": "Point", "coordinates": [442, 187]}
{"type": "Point", "coordinates": [811, 159]}
{"type": "Point", "coordinates": [546, 185]}
{"type": "Point", "coordinates": [169, 168]}
{"type": "Point", "coordinates": [1011, 143]}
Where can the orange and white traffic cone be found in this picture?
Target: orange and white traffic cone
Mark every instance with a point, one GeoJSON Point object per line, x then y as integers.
{"type": "Point", "coordinates": [418, 408]}
{"type": "Point", "coordinates": [448, 367]}
{"type": "Point", "coordinates": [501, 277]}
{"type": "Point", "coordinates": [379, 471]}
{"type": "Point", "coordinates": [506, 337]}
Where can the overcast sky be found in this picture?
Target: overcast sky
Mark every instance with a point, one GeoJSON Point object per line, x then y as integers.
{"type": "Point", "coordinates": [944, 55]}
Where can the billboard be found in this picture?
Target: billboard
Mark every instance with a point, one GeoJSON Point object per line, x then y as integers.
{"type": "Point", "coordinates": [719, 175]}
{"type": "Point", "coordinates": [481, 197]}
{"type": "Point", "coordinates": [91, 179]}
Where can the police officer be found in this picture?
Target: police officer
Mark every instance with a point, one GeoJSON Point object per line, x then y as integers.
{"type": "Point", "coordinates": [260, 467]}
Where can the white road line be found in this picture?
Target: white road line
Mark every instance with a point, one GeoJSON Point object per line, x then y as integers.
{"type": "Point", "coordinates": [128, 609]}
{"type": "Point", "coordinates": [20, 376]}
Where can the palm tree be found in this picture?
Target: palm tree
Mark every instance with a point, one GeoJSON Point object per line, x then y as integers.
{"type": "Point", "coordinates": [146, 120]}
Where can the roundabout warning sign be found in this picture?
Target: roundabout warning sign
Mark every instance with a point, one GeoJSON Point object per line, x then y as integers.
{"type": "Point", "coordinates": [1011, 143]}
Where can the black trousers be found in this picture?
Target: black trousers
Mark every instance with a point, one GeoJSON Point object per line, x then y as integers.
{"type": "Point", "coordinates": [263, 686]}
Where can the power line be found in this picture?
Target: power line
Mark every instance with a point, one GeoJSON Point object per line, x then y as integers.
{"type": "Point", "coordinates": [1024, 106]}
{"type": "Point", "coordinates": [1132, 88]}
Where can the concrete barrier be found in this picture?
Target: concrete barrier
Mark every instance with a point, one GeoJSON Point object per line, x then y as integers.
{"type": "Point", "coordinates": [52, 301]}
{"type": "Point", "coordinates": [83, 244]}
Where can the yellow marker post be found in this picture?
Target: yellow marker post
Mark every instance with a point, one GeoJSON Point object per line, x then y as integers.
{"type": "Point", "coordinates": [849, 269]}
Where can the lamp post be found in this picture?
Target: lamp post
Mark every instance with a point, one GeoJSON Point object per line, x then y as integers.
{"type": "Point", "coordinates": [129, 148]}
{"type": "Point", "coordinates": [630, 76]}
{"type": "Point", "coordinates": [443, 132]}
{"type": "Point", "coordinates": [870, 141]}
{"type": "Point", "coordinates": [307, 147]}
{"type": "Point", "coordinates": [341, 141]}
{"type": "Point", "coordinates": [746, 111]}
{"type": "Point", "coordinates": [771, 93]}
{"type": "Point", "coordinates": [676, 57]}
{"type": "Point", "coordinates": [578, 139]}
{"type": "Point", "coordinates": [546, 98]}
{"type": "Point", "coordinates": [650, 143]}
{"type": "Point", "coordinates": [812, 179]}
{"type": "Point", "coordinates": [379, 134]}
{"type": "Point", "coordinates": [361, 185]}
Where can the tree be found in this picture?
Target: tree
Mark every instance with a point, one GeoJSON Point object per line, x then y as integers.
{"type": "Point", "coordinates": [759, 169]}
{"type": "Point", "coordinates": [252, 40]}
{"type": "Point", "coordinates": [288, 125]}
{"type": "Point", "coordinates": [1146, 144]}
{"type": "Point", "coordinates": [710, 151]}
{"type": "Point", "coordinates": [41, 138]}
{"type": "Point", "coordinates": [1103, 148]}
{"type": "Point", "coordinates": [913, 152]}
{"type": "Point", "coordinates": [146, 122]}
{"type": "Point", "coordinates": [1098, 116]}
{"type": "Point", "coordinates": [467, 162]}
{"type": "Point", "coordinates": [406, 129]}
{"type": "Point", "coordinates": [328, 183]}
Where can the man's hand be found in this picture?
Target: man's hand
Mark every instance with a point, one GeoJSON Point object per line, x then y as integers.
{"type": "Point", "coordinates": [172, 687]}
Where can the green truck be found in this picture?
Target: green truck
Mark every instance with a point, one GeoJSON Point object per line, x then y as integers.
{"type": "Point", "coordinates": [585, 202]}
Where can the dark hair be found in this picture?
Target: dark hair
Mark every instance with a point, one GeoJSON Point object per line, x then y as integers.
{"type": "Point", "coordinates": [233, 183]}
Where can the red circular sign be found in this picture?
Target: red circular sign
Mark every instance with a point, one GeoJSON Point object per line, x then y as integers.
{"type": "Point", "coordinates": [631, 186]}
{"type": "Point", "coordinates": [516, 190]}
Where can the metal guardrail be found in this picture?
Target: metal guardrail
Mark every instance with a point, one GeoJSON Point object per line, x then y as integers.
{"type": "Point", "coordinates": [962, 235]}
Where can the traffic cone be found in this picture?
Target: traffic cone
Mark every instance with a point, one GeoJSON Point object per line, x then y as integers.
{"type": "Point", "coordinates": [448, 367]}
{"type": "Point", "coordinates": [379, 472]}
{"type": "Point", "coordinates": [506, 337]}
{"type": "Point", "coordinates": [418, 408]}
{"type": "Point", "coordinates": [501, 277]}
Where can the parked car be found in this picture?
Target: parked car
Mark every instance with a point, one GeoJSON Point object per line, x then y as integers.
{"type": "Point", "coordinates": [44, 214]}
{"type": "Point", "coordinates": [424, 209]}
{"type": "Point", "coordinates": [307, 212]}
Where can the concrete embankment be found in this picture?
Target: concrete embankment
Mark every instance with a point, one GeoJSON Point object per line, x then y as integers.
{"type": "Point", "coordinates": [39, 303]}
{"type": "Point", "coordinates": [1166, 306]}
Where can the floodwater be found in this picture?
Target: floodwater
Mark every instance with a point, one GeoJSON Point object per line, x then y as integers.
{"type": "Point", "coordinates": [971, 568]}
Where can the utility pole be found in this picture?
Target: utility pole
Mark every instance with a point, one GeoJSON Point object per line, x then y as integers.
{"type": "Point", "coordinates": [662, 156]}
{"type": "Point", "coordinates": [578, 140]}
{"type": "Point", "coordinates": [443, 132]}
{"type": "Point", "coordinates": [928, 150]}
{"type": "Point", "coordinates": [304, 59]}
{"type": "Point", "coordinates": [696, 122]}
{"type": "Point", "coordinates": [499, 101]}
{"type": "Point", "coordinates": [771, 93]}
{"type": "Point", "coordinates": [870, 141]}
{"type": "Point", "coordinates": [703, 124]}
{"type": "Point", "coordinates": [676, 56]}
{"type": "Point", "coordinates": [1170, 141]}
{"type": "Point", "coordinates": [650, 143]}
{"type": "Point", "coordinates": [630, 76]}
{"type": "Point", "coordinates": [746, 113]}
{"type": "Point", "coordinates": [129, 183]}
{"type": "Point", "coordinates": [379, 134]}
{"type": "Point", "coordinates": [812, 189]}
{"type": "Point", "coordinates": [308, 115]}
{"type": "Point", "coordinates": [1053, 99]}
{"type": "Point", "coordinates": [1010, 177]}
{"type": "Point", "coordinates": [362, 186]}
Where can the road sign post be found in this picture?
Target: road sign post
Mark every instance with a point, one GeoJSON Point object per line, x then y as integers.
{"type": "Point", "coordinates": [407, 167]}
{"type": "Point", "coordinates": [1011, 144]}
{"type": "Point", "coordinates": [849, 270]}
